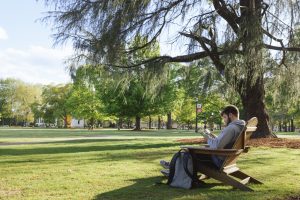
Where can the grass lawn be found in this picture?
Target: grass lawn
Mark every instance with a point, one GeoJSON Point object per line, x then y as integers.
{"type": "Point", "coordinates": [108, 164]}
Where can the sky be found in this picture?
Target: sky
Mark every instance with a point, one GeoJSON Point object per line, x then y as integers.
{"type": "Point", "coordinates": [26, 45]}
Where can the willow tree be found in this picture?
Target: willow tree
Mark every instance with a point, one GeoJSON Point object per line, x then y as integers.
{"type": "Point", "coordinates": [237, 36]}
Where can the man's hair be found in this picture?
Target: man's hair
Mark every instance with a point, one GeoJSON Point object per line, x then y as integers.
{"type": "Point", "coordinates": [230, 109]}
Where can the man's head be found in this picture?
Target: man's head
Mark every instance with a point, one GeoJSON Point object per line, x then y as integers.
{"type": "Point", "coordinates": [230, 113]}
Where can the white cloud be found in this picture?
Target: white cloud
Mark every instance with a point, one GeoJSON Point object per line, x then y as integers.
{"type": "Point", "coordinates": [36, 64]}
{"type": "Point", "coordinates": [3, 34]}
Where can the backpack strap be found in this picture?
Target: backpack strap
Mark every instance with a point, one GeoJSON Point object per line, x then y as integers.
{"type": "Point", "coordinates": [192, 175]}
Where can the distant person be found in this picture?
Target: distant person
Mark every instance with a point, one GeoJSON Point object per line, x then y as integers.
{"type": "Point", "coordinates": [224, 140]}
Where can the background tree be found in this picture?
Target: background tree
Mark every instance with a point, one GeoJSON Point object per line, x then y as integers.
{"type": "Point", "coordinates": [185, 111]}
{"type": "Point", "coordinates": [83, 103]}
{"type": "Point", "coordinates": [233, 34]}
{"type": "Point", "coordinates": [54, 103]}
{"type": "Point", "coordinates": [7, 88]}
{"type": "Point", "coordinates": [15, 101]}
{"type": "Point", "coordinates": [137, 92]}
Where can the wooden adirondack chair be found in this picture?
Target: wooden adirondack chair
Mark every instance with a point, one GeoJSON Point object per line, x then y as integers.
{"type": "Point", "coordinates": [229, 172]}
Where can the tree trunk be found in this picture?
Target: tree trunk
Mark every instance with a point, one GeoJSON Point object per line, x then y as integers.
{"type": "Point", "coordinates": [92, 122]}
{"type": "Point", "coordinates": [285, 126]}
{"type": "Point", "coordinates": [159, 122]}
{"type": "Point", "coordinates": [292, 125]}
{"type": "Point", "coordinates": [253, 103]}
{"type": "Point", "coordinates": [169, 122]}
{"type": "Point", "coordinates": [251, 86]}
{"type": "Point", "coordinates": [150, 122]}
{"type": "Point", "coordinates": [137, 123]}
{"type": "Point", "coordinates": [128, 124]}
{"type": "Point", "coordinates": [66, 121]}
{"type": "Point", "coordinates": [119, 124]}
{"type": "Point", "coordinates": [280, 126]}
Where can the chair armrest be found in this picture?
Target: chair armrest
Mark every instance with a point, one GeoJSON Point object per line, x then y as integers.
{"type": "Point", "coordinates": [209, 151]}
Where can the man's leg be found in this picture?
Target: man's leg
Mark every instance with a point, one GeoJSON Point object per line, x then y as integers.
{"type": "Point", "coordinates": [165, 164]}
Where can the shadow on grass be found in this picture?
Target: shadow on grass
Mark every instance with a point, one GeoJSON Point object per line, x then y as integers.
{"type": "Point", "coordinates": [67, 141]}
{"type": "Point", "coordinates": [150, 188]}
{"type": "Point", "coordinates": [81, 149]}
{"type": "Point", "coordinates": [145, 188]}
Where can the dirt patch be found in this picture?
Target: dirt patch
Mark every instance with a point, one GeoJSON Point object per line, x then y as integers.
{"type": "Point", "coordinates": [276, 143]}
{"type": "Point", "coordinates": [192, 141]}
{"type": "Point", "coordinates": [266, 142]}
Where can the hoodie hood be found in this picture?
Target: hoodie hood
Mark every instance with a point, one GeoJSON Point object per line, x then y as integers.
{"type": "Point", "coordinates": [239, 122]}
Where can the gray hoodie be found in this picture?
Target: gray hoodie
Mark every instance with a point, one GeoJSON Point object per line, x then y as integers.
{"type": "Point", "coordinates": [226, 139]}
{"type": "Point", "coordinates": [228, 136]}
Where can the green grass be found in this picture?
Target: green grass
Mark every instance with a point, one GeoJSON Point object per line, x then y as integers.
{"type": "Point", "coordinates": [125, 166]}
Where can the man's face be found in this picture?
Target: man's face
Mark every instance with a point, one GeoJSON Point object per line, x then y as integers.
{"type": "Point", "coordinates": [226, 119]}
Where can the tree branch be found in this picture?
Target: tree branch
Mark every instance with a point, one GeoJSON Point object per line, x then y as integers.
{"type": "Point", "coordinates": [213, 53]}
{"type": "Point", "coordinates": [282, 48]}
{"type": "Point", "coordinates": [229, 16]}
{"type": "Point", "coordinates": [195, 37]}
{"type": "Point", "coordinates": [277, 40]}
{"type": "Point", "coordinates": [169, 59]}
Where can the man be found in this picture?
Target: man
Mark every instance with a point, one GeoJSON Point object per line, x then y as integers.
{"type": "Point", "coordinates": [224, 140]}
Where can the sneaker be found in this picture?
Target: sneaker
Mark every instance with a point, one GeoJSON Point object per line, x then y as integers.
{"type": "Point", "coordinates": [165, 164]}
{"type": "Point", "coordinates": [165, 172]}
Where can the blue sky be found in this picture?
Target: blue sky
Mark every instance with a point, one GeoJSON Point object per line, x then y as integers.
{"type": "Point", "coordinates": [26, 46]}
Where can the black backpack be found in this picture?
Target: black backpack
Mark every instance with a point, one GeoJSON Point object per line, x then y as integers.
{"type": "Point", "coordinates": [183, 172]}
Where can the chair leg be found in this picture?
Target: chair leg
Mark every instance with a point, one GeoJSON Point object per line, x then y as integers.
{"type": "Point", "coordinates": [203, 177]}
{"type": "Point", "coordinates": [223, 177]}
{"type": "Point", "coordinates": [242, 175]}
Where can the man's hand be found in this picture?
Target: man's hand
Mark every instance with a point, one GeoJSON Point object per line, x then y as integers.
{"type": "Point", "coordinates": [207, 134]}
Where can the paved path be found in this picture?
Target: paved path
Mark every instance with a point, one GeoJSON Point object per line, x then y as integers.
{"type": "Point", "coordinates": [97, 137]}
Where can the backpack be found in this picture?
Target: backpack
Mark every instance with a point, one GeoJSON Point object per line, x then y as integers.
{"type": "Point", "coordinates": [182, 171]}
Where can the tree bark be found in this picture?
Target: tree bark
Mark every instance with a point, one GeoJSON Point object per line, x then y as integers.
{"type": "Point", "coordinates": [137, 123]}
{"type": "Point", "coordinates": [119, 124]}
{"type": "Point", "coordinates": [150, 122]}
{"type": "Point", "coordinates": [159, 122]}
{"type": "Point", "coordinates": [128, 124]}
{"type": "Point", "coordinates": [253, 103]}
{"type": "Point", "coordinates": [169, 122]}
{"type": "Point", "coordinates": [280, 126]}
{"type": "Point", "coordinates": [251, 88]}
{"type": "Point", "coordinates": [285, 126]}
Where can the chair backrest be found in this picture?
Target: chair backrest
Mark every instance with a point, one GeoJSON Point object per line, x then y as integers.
{"type": "Point", "coordinates": [246, 133]}
{"type": "Point", "coordinates": [242, 140]}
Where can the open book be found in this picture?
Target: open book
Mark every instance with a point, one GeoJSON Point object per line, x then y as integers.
{"type": "Point", "coordinates": [207, 134]}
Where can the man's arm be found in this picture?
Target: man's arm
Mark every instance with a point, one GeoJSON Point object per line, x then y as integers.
{"type": "Point", "coordinates": [207, 134]}
{"type": "Point", "coordinates": [222, 140]}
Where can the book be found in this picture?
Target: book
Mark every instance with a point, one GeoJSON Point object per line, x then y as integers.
{"type": "Point", "coordinates": [207, 134]}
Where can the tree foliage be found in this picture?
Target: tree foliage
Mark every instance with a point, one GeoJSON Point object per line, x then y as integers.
{"type": "Point", "coordinates": [237, 35]}
{"type": "Point", "coordinates": [15, 101]}
{"type": "Point", "coordinates": [54, 102]}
